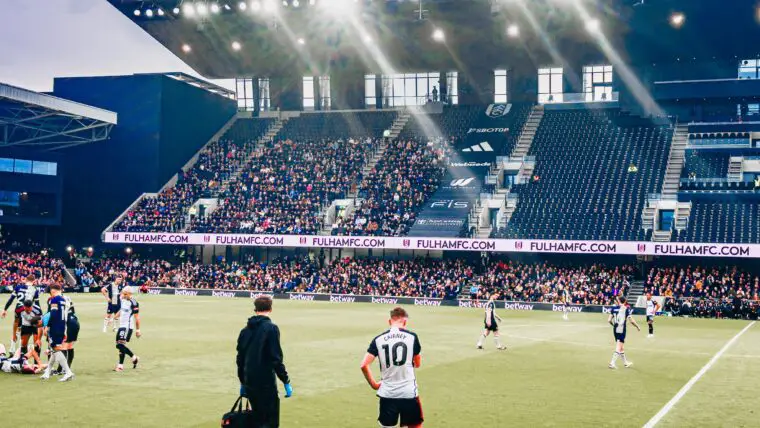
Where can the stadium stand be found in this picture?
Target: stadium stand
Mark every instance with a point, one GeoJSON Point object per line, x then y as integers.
{"type": "Point", "coordinates": [593, 172]}
{"type": "Point", "coordinates": [16, 265]}
{"type": "Point", "coordinates": [705, 164]}
{"type": "Point", "coordinates": [166, 212]}
{"type": "Point", "coordinates": [716, 220]}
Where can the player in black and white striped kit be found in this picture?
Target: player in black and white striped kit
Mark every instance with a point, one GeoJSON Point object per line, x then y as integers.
{"type": "Point", "coordinates": [491, 324]}
{"type": "Point", "coordinates": [398, 351]}
{"type": "Point", "coordinates": [112, 293]}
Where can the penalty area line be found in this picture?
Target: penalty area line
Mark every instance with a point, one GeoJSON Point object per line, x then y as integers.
{"type": "Point", "coordinates": [676, 398]}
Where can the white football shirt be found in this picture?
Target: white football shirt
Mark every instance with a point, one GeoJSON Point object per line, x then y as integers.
{"type": "Point", "coordinates": [395, 349]}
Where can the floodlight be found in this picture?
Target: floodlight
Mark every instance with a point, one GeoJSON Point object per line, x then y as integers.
{"type": "Point", "coordinates": [236, 46]}
{"type": "Point", "coordinates": [186, 48]}
{"type": "Point", "coordinates": [214, 8]}
{"type": "Point", "coordinates": [269, 5]}
{"type": "Point", "coordinates": [242, 5]}
{"type": "Point", "coordinates": [438, 35]}
{"type": "Point", "coordinates": [285, 3]}
{"type": "Point", "coordinates": [255, 6]}
{"type": "Point", "coordinates": [301, 41]}
{"type": "Point", "coordinates": [90, 249]}
{"type": "Point", "coordinates": [513, 30]}
{"type": "Point", "coordinates": [188, 9]}
{"type": "Point", "coordinates": [593, 25]}
{"type": "Point", "coordinates": [202, 9]}
{"type": "Point", "coordinates": [296, 3]}
{"type": "Point", "coordinates": [149, 13]}
{"type": "Point", "coordinates": [69, 249]}
{"type": "Point", "coordinates": [367, 38]}
{"type": "Point", "coordinates": [677, 19]}
{"type": "Point", "coordinates": [338, 7]}
{"type": "Point", "coordinates": [137, 12]}
{"type": "Point", "coordinates": [128, 250]}
{"type": "Point", "coordinates": [160, 12]}
{"type": "Point", "coordinates": [175, 11]}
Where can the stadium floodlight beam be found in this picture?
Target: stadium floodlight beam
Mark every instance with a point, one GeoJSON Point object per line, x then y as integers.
{"type": "Point", "coordinates": [593, 25]}
{"type": "Point", "coordinates": [312, 2]}
{"type": "Point", "coordinates": [242, 5]}
{"type": "Point", "coordinates": [301, 41]}
{"type": "Point", "coordinates": [296, 3]}
{"type": "Point", "coordinates": [236, 46]}
{"type": "Point", "coordinates": [255, 6]}
{"type": "Point", "coordinates": [677, 19]}
{"type": "Point", "coordinates": [338, 8]}
{"type": "Point", "coordinates": [202, 9]}
{"type": "Point", "coordinates": [285, 3]}
{"type": "Point", "coordinates": [176, 11]}
{"type": "Point", "coordinates": [188, 9]}
{"type": "Point", "coordinates": [215, 8]}
{"type": "Point", "coordinates": [513, 30]}
{"type": "Point", "coordinates": [438, 35]}
{"type": "Point", "coordinates": [186, 48]}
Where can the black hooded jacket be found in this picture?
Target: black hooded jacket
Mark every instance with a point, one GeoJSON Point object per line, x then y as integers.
{"type": "Point", "coordinates": [259, 356]}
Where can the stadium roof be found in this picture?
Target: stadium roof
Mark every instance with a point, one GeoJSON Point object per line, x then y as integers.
{"type": "Point", "coordinates": [200, 83]}
{"type": "Point", "coordinates": [223, 39]}
{"type": "Point", "coordinates": [30, 118]}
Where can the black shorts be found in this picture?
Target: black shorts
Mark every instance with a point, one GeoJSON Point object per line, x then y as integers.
{"type": "Point", "coordinates": [473, 296]}
{"type": "Point", "coordinates": [113, 308]}
{"type": "Point", "coordinates": [28, 330]}
{"type": "Point", "coordinates": [124, 334]}
{"type": "Point", "coordinates": [619, 337]}
{"type": "Point", "coordinates": [650, 318]}
{"type": "Point", "coordinates": [72, 330]}
{"type": "Point", "coordinates": [409, 410]}
{"type": "Point", "coordinates": [493, 327]}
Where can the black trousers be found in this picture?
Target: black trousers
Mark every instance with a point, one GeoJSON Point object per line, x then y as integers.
{"type": "Point", "coordinates": [266, 410]}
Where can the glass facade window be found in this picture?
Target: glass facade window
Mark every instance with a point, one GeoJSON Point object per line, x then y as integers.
{"type": "Point", "coordinates": [452, 88]}
{"type": "Point", "coordinates": [500, 86]}
{"type": "Point", "coordinates": [44, 168]}
{"type": "Point", "coordinates": [265, 100]}
{"type": "Point", "coordinates": [23, 166]}
{"type": "Point", "coordinates": [325, 99]}
{"type": "Point", "coordinates": [370, 92]}
{"type": "Point", "coordinates": [6, 165]}
{"type": "Point", "coordinates": [410, 89]}
{"type": "Point", "coordinates": [244, 94]}
{"type": "Point", "coordinates": [749, 69]}
{"type": "Point", "coordinates": [308, 93]}
{"type": "Point", "coordinates": [597, 83]}
{"type": "Point", "coordinates": [550, 85]}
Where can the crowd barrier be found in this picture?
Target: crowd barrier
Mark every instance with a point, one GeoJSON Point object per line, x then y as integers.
{"type": "Point", "coordinates": [382, 300]}
{"type": "Point", "coordinates": [451, 244]}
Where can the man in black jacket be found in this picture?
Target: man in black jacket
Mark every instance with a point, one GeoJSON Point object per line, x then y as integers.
{"type": "Point", "coordinates": [259, 359]}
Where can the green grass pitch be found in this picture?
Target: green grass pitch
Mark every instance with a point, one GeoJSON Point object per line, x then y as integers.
{"type": "Point", "coordinates": [553, 374]}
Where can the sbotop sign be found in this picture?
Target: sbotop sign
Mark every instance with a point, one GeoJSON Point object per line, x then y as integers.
{"type": "Point", "coordinates": [432, 243]}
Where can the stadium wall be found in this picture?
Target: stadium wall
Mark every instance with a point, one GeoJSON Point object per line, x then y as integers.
{"type": "Point", "coordinates": [162, 123]}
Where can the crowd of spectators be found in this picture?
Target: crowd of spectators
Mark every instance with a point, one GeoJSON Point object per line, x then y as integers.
{"type": "Point", "coordinates": [694, 282]}
{"type": "Point", "coordinates": [446, 279]}
{"type": "Point", "coordinates": [286, 186]}
{"type": "Point", "coordinates": [15, 266]}
{"type": "Point", "coordinates": [395, 189]}
{"type": "Point", "coordinates": [166, 211]}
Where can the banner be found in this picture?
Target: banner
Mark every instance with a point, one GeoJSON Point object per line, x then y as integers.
{"type": "Point", "coordinates": [383, 300]}
{"type": "Point", "coordinates": [438, 243]}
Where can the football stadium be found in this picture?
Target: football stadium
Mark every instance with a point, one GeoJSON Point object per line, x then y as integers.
{"type": "Point", "coordinates": [352, 213]}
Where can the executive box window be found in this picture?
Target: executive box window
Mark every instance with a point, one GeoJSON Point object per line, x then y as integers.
{"type": "Point", "coordinates": [500, 86]}
{"type": "Point", "coordinates": [370, 92]}
{"type": "Point", "coordinates": [27, 205]}
{"type": "Point", "coordinates": [597, 83]}
{"type": "Point", "coordinates": [24, 166]}
{"type": "Point", "coordinates": [409, 89]}
{"type": "Point", "coordinates": [550, 85]}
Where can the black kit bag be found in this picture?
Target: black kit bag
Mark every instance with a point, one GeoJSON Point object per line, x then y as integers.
{"type": "Point", "coordinates": [238, 416]}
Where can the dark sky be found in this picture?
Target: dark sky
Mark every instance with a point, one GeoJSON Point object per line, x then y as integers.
{"type": "Point", "coordinates": [42, 39]}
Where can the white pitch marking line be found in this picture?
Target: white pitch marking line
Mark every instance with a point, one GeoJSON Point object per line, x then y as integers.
{"type": "Point", "coordinates": [676, 398]}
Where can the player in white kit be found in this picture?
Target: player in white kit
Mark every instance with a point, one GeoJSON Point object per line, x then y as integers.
{"type": "Point", "coordinates": [130, 309]}
{"type": "Point", "coordinates": [398, 351]}
{"type": "Point", "coordinates": [652, 308]}
{"type": "Point", "coordinates": [112, 293]}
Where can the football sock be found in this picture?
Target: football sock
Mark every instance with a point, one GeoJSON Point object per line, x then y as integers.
{"type": "Point", "coordinates": [482, 338]}
{"type": "Point", "coordinates": [651, 328]}
{"type": "Point", "coordinates": [625, 360]}
{"type": "Point", "coordinates": [497, 339]}
{"type": "Point", "coordinates": [121, 358]}
{"type": "Point", "coordinates": [124, 350]}
{"type": "Point", "coordinates": [70, 356]}
{"type": "Point", "coordinates": [614, 358]}
{"type": "Point", "coordinates": [105, 324]}
{"type": "Point", "coordinates": [62, 361]}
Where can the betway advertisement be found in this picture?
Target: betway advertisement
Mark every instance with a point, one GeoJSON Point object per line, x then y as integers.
{"type": "Point", "coordinates": [382, 300]}
{"type": "Point", "coordinates": [442, 243]}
